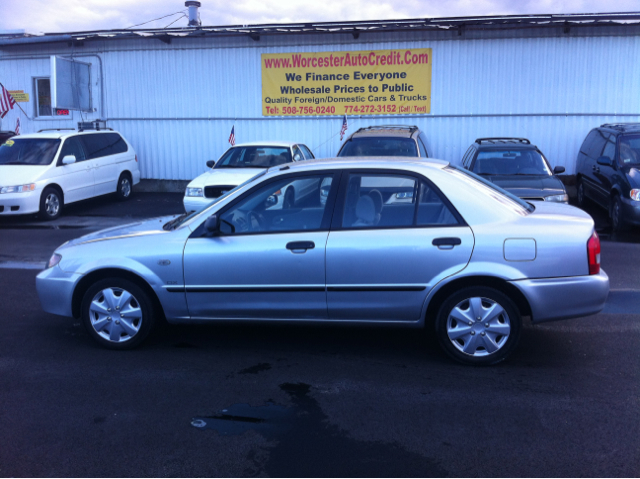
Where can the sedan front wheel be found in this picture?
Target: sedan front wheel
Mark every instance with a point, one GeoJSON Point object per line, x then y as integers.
{"type": "Point", "coordinates": [117, 313]}
{"type": "Point", "coordinates": [478, 325]}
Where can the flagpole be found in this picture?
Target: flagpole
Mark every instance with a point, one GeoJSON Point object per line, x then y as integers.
{"type": "Point", "coordinates": [17, 104]}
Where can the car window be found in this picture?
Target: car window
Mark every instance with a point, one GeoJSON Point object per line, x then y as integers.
{"type": "Point", "coordinates": [28, 151]}
{"type": "Point", "coordinates": [630, 150]}
{"type": "Point", "coordinates": [466, 159]}
{"type": "Point", "coordinates": [376, 146]}
{"type": "Point", "coordinates": [297, 154]}
{"type": "Point", "coordinates": [610, 147]}
{"type": "Point", "coordinates": [510, 162]}
{"type": "Point", "coordinates": [72, 146]}
{"type": "Point", "coordinates": [432, 210]}
{"type": "Point", "coordinates": [307, 152]}
{"type": "Point", "coordinates": [425, 142]}
{"type": "Point", "coordinates": [98, 145]}
{"type": "Point", "coordinates": [289, 204]}
{"type": "Point", "coordinates": [593, 144]}
{"type": "Point", "coordinates": [254, 157]}
{"type": "Point", "coordinates": [422, 148]}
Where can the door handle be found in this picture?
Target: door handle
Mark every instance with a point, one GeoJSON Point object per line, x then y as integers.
{"type": "Point", "coordinates": [300, 246]}
{"type": "Point", "coordinates": [596, 168]}
{"type": "Point", "coordinates": [446, 243]}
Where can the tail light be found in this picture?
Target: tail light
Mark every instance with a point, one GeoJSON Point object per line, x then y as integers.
{"type": "Point", "coordinates": [136, 158]}
{"type": "Point", "coordinates": [593, 251]}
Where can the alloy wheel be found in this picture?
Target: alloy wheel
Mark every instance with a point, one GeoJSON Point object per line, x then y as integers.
{"type": "Point", "coordinates": [52, 204]}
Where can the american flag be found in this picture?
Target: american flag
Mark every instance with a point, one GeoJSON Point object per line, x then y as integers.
{"type": "Point", "coordinates": [344, 127]}
{"type": "Point", "coordinates": [6, 102]}
{"type": "Point", "coordinates": [232, 136]}
{"type": "Point", "coordinates": [17, 126]}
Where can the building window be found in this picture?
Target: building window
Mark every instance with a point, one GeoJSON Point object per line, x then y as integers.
{"type": "Point", "coordinates": [43, 94]}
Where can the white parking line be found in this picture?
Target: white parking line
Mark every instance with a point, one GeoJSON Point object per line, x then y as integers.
{"type": "Point", "coordinates": [22, 264]}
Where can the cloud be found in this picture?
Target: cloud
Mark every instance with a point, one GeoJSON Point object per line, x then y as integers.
{"type": "Point", "coordinates": [37, 16]}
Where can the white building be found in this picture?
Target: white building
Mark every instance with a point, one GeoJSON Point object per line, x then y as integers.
{"type": "Point", "coordinates": [176, 93]}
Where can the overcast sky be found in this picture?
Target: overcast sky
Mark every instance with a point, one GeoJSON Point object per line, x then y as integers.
{"type": "Point", "coordinates": [38, 16]}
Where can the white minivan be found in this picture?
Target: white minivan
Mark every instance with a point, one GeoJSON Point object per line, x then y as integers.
{"type": "Point", "coordinates": [41, 172]}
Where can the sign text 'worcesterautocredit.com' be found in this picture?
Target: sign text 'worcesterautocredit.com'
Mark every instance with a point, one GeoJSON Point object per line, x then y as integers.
{"type": "Point", "coordinates": [380, 82]}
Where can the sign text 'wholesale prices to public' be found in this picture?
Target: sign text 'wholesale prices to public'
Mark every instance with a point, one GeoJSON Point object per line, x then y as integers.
{"type": "Point", "coordinates": [380, 82]}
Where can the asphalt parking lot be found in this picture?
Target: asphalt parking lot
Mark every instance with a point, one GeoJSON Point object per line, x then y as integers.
{"type": "Point", "coordinates": [239, 400]}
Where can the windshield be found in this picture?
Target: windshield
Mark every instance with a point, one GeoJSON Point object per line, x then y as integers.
{"type": "Point", "coordinates": [28, 151]}
{"type": "Point", "coordinates": [373, 146]}
{"type": "Point", "coordinates": [183, 218]}
{"type": "Point", "coordinates": [630, 150]}
{"type": "Point", "coordinates": [254, 157]}
{"type": "Point", "coordinates": [511, 162]}
{"type": "Point", "coordinates": [497, 193]}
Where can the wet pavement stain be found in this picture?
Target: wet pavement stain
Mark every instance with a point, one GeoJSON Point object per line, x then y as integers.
{"type": "Point", "coordinates": [307, 445]}
{"type": "Point", "coordinates": [256, 369]}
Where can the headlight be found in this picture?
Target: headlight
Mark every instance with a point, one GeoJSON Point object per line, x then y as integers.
{"type": "Point", "coordinates": [194, 192]}
{"type": "Point", "coordinates": [54, 260]}
{"type": "Point", "coordinates": [18, 189]}
{"type": "Point", "coordinates": [558, 198]}
{"type": "Point", "coordinates": [635, 195]}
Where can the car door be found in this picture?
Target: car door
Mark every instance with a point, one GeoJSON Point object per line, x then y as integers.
{"type": "Point", "coordinates": [393, 237]}
{"type": "Point", "coordinates": [77, 179]}
{"type": "Point", "coordinates": [590, 151]}
{"type": "Point", "coordinates": [106, 151]}
{"type": "Point", "coordinates": [269, 262]}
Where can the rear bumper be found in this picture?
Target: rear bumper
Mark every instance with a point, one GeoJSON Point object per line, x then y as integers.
{"type": "Point", "coordinates": [552, 299]}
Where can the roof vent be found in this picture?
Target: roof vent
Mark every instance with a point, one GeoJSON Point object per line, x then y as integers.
{"type": "Point", "coordinates": [194, 17]}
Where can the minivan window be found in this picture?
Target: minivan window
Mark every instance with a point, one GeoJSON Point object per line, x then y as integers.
{"type": "Point", "coordinates": [377, 146]}
{"type": "Point", "coordinates": [98, 145]}
{"type": "Point", "coordinates": [630, 150]}
{"type": "Point", "coordinates": [593, 144]}
{"type": "Point", "coordinates": [72, 146]}
{"type": "Point", "coordinates": [28, 151]}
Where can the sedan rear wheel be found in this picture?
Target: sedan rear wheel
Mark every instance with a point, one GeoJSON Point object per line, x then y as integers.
{"type": "Point", "coordinates": [117, 313]}
{"type": "Point", "coordinates": [478, 325]}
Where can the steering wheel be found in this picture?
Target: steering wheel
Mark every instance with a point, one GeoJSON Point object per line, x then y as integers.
{"type": "Point", "coordinates": [256, 221]}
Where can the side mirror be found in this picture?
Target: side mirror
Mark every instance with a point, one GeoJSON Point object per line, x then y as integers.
{"type": "Point", "coordinates": [212, 224]}
{"type": "Point", "coordinates": [604, 161]}
{"type": "Point", "coordinates": [271, 201]}
{"type": "Point", "coordinates": [210, 163]}
{"type": "Point", "coordinates": [558, 169]}
{"type": "Point", "coordinates": [69, 160]}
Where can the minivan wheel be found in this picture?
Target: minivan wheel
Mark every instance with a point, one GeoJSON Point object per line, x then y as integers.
{"type": "Point", "coordinates": [617, 218]}
{"type": "Point", "coordinates": [117, 313]}
{"type": "Point", "coordinates": [50, 204]}
{"type": "Point", "coordinates": [478, 325]}
{"type": "Point", "coordinates": [125, 187]}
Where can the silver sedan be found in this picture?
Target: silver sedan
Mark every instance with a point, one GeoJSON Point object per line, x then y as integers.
{"type": "Point", "coordinates": [379, 241]}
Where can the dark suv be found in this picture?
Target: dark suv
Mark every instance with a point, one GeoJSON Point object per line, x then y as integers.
{"type": "Point", "coordinates": [387, 140]}
{"type": "Point", "coordinates": [608, 172]}
{"type": "Point", "coordinates": [517, 166]}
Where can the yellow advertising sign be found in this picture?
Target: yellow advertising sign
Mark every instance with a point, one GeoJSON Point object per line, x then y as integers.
{"type": "Point", "coordinates": [19, 95]}
{"type": "Point", "coordinates": [372, 82]}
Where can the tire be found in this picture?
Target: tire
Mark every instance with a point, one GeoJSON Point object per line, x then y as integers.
{"type": "Point", "coordinates": [50, 204]}
{"type": "Point", "coordinates": [102, 313]}
{"type": "Point", "coordinates": [581, 198]}
{"type": "Point", "coordinates": [617, 218]}
{"type": "Point", "coordinates": [289, 200]}
{"type": "Point", "coordinates": [470, 340]}
{"type": "Point", "coordinates": [124, 190]}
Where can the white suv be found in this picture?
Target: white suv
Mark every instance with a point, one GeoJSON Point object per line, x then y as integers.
{"type": "Point", "coordinates": [41, 172]}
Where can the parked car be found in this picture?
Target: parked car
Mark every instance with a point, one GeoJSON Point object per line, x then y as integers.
{"type": "Point", "coordinates": [386, 140]}
{"type": "Point", "coordinates": [41, 172]}
{"type": "Point", "coordinates": [5, 135]}
{"type": "Point", "coordinates": [239, 164]}
{"type": "Point", "coordinates": [608, 172]}
{"type": "Point", "coordinates": [463, 258]}
{"type": "Point", "coordinates": [517, 166]}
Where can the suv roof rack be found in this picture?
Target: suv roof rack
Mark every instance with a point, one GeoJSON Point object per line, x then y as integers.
{"type": "Point", "coordinates": [502, 140]}
{"type": "Point", "coordinates": [411, 128]}
{"type": "Point", "coordinates": [56, 129]}
{"type": "Point", "coordinates": [93, 125]}
{"type": "Point", "coordinates": [620, 126]}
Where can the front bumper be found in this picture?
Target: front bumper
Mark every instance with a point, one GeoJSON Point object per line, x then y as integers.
{"type": "Point", "coordinates": [631, 211]}
{"type": "Point", "coordinates": [552, 299]}
{"type": "Point", "coordinates": [20, 203]}
{"type": "Point", "coordinates": [196, 203]}
{"type": "Point", "coordinates": [55, 290]}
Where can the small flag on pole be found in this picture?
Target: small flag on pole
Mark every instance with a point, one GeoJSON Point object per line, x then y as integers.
{"type": "Point", "coordinates": [344, 127]}
{"type": "Point", "coordinates": [232, 136]}
{"type": "Point", "coordinates": [17, 126]}
{"type": "Point", "coordinates": [6, 102]}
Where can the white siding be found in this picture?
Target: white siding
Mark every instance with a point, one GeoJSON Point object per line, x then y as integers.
{"type": "Point", "coordinates": [177, 103]}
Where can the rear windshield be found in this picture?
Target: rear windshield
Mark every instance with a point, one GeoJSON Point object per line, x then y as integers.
{"type": "Point", "coordinates": [254, 157]}
{"type": "Point", "coordinates": [379, 147]}
{"type": "Point", "coordinates": [28, 151]}
{"type": "Point", "coordinates": [511, 162]}
{"type": "Point", "coordinates": [630, 150]}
